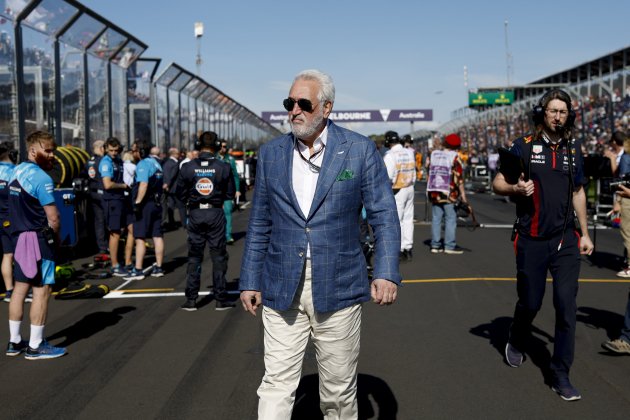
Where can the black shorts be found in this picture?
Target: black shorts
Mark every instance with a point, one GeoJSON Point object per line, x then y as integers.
{"type": "Point", "coordinates": [45, 266]}
{"type": "Point", "coordinates": [6, 241]}
{"type": "Point", "coordinates": [150, 224]}
{"type": "Point", "coordinates": [117, 214]}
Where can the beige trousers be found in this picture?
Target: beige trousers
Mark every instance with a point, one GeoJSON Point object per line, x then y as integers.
{"type": "Point", "coordinates": [625, 223]}
{"type": "Point", "coordinates": [335, 336]}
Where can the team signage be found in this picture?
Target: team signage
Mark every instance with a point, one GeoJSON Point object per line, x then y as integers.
{"type": "Point", "coordinates": [491, 98]}
{"type": "Point", "coordinates": [382, 115]}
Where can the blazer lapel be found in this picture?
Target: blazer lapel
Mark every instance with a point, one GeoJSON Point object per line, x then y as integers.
{"type": "Point", "coordinates": [336, 151]}
{"type": "Point", "coordinates": [286, 149]}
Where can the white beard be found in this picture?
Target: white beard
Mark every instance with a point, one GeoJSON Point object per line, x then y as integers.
{"type": "Point", "coordinates": [305, 131]}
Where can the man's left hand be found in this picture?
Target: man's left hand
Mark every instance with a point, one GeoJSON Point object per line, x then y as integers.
{"type": "Point", "coordinates": [384, 292]}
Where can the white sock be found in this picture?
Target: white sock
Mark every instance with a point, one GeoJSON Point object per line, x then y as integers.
{"type": "Point", "coordinates": [37, 336]}
{"type": "Point", "coordinates": [14, 329]}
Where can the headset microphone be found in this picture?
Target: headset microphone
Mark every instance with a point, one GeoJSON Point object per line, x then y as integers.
{"type": "Point", "coordinates": [560, 129]}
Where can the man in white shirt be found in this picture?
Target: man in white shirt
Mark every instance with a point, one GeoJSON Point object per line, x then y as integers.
{"type": "Point", "coordinates": [401, 169]}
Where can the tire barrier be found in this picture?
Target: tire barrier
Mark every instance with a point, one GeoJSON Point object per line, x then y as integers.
{"type": "Point", "coordinates": [68, 164]}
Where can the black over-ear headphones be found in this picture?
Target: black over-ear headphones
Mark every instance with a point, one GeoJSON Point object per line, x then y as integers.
{"type": "Point", "coordinates": [391, 137]}
{"type": "Point", "coordinates": [144, 148]}
{"type": "Point", "coordinates": [538, 111]}
{"type": "Point", "coordinates": [7, 147]}
{"type": "Point", "coordinates": [208, 139]}
{"type": "Point", "coordinates": [13, 155]}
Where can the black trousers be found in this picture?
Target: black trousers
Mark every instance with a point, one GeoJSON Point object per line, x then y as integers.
{"type": "Point", "coordinates": [206, 226]}
{"type": "Point", "coordinates": [98, 217]}
{"type": "Point", "coordinates": [170, 203]}
{"type": "Point", "coordinates": [534, 258]}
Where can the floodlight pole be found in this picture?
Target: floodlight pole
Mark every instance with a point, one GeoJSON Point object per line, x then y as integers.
{"type": "Point", "coordinates": [198, 35]}
{"type": "Point", "coordinates": [508, 56]}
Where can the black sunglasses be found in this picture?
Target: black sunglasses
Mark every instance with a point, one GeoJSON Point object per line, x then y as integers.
{"type": "Point", "coordinates": [304, 104]}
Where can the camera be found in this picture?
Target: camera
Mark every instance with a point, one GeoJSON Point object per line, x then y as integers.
{"type": "Point", "coordinates": [624, 180]}
{"type": "Point", "coordinates": [610, 185]}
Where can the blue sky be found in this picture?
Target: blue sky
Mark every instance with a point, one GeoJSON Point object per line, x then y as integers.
{"type": "Point", "coordinates": [389, 54]}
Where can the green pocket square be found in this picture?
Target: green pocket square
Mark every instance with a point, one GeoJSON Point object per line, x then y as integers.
{"type": "Point", "coordinates": [345, 175]}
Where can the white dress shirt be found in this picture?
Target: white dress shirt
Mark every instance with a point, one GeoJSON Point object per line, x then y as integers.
{"type": "Point", "coordinates": [304, 179]}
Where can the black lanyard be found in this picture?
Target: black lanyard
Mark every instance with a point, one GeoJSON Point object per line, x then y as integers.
{"type": "Point", "coordinates": [314, 168]}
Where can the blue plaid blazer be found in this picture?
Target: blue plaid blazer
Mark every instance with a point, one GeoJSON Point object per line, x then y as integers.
{"type": "Point", "coordinates": [353, 175]}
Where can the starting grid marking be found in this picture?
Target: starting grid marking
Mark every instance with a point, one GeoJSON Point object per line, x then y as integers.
{"type": "Point", "coordinates": [513, 279]}
{"type": "Point", "coordinates": [144, 293]}
{"type": "Point", "coordinates": [170, 292]}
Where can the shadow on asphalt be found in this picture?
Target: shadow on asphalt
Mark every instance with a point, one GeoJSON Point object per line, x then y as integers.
{"type": "Point", "coordinates": [606, 260]}
{"type": "Point", "coordinates": [172, 264]}
{"type": "Point", "coordinates": [497, 331]}
{"type": "Point", "coordinates": [597, 319]}
{"type": "Point", "coordinates": [374, 397]}
{"type": "Point", "coordinates": [90, 325]}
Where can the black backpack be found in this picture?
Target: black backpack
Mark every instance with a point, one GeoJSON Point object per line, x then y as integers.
{"type": "Point", "coordinates": [81, 290]}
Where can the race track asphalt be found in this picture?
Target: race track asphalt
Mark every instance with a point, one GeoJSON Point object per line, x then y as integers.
{"type": "Point", "coordinates": [436, 354]}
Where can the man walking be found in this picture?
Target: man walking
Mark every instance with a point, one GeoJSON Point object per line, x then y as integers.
{"type": "Point", "coordinates": [302, 257]}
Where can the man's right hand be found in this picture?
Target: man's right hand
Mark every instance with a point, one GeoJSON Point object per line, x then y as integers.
{"type": "Point", "coordinates": [523, 187]}
{"type": "Point", "coordinates": [251, 300]}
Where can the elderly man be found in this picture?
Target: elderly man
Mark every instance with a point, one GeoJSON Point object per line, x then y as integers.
{"type": "Point", "coordinates": [302, 257]}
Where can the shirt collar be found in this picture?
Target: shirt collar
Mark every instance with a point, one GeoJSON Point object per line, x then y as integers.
{"type": "Point", "coordinates": [320, 141]}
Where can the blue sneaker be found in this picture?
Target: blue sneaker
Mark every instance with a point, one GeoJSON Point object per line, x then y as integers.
{"type": "Point", "coordinates": [157, 272]}
{"type": "Point", "coordinates": [119, 272]}
{"type": "Point", "coordinates": [44, 351]}
{"type": "Point", "coordinates": [513, 357]}
{"type": "Point", "coordinates": [134, 274]}
{"type": "Point", "coordinates": [14, 349]}
{"type": "Point", "coordinates": [29, 296]}
{"type": "Point", "coordinates": [563, 387]}
{"type": "Point", "coordinates": [7, 295]}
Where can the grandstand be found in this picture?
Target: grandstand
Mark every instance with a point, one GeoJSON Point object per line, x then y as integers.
{"type": "Point", "coordinates": [600, 89]}
{"type": "Point", "coordinates": [601, 98]}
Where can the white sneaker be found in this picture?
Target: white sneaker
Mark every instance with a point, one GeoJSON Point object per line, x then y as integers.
{"type": "Point", "coordinates": [624, 273]}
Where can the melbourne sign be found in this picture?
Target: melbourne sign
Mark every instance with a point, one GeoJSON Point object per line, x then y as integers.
{"type": "Point", "coordinates": [381, 115]}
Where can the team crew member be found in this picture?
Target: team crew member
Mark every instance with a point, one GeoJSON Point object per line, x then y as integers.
{"type": "Point", "coordinates": [95, 186]}
{"type": "Point", "coordinates": [547, 194]}
{"type": "Point", "coordinates": [146, 197]}
{"type": "Point", "coordinates": [205, 183]}
{"type": "Point", "coordinates": [35, 227]}
{"type": "Point", "coordinates": [115, 204]}
{"type": "Point", "coordinates": [445, 186]}
{"type": "Point", "coordinates": [228, 205]}
{"type": "Point", "coordinates": [8, 158]}
{"type": "Point", "coordinates": [401, 169]}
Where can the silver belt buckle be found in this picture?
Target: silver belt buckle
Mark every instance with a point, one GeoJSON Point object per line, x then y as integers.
{"type": "Point", "coordinates": [204, 206]}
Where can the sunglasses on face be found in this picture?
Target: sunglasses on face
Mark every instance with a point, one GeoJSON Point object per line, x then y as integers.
{"type": "Point", "coordinates": [304, 104]}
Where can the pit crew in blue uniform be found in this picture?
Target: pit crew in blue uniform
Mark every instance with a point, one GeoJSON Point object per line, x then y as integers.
{"type": "Point", "coordinates": [228, 205]}
{"type": "Point", "coordinates": [548, 194]}
{"type": "Point", "coordinates": [35, 226]}
{"type": "Point", "coordinates": [146, 197]}
{"type": "Point", "coordinates": [205, 184]}
{"type": "Point", "coordinates": [116, 204]}
{"type": "Point", "coordinates": [95, 187]}
{"type": "Point", "coordinates": [8, 158]}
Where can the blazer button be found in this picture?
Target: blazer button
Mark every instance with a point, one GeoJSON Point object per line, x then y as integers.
{"type": "Point", "coordinates": [308, 229]}
{"type": "Point", "coordinates": [301, 254]}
